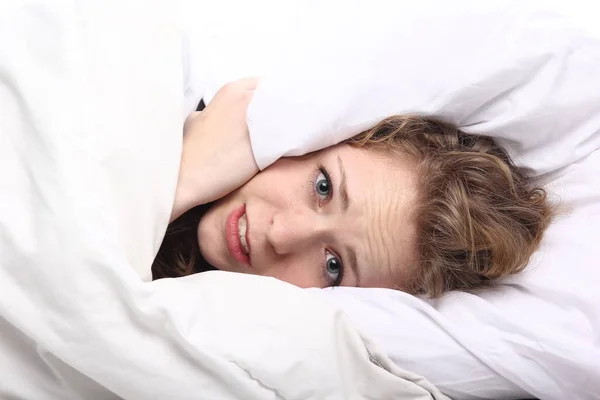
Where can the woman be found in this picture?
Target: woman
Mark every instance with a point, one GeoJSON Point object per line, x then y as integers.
{"type": "Point", "coordinates": [410, 204]}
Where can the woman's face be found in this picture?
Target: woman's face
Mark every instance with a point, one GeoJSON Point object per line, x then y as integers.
{"type": "Point", "coordinates": [339, 217]}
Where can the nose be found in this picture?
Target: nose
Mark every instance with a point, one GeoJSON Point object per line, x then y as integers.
{"type": "Point", "coordinates": [295, 230]}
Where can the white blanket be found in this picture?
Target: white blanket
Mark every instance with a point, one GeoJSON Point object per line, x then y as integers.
{"type": "Point", "coordinates": [90, 124]}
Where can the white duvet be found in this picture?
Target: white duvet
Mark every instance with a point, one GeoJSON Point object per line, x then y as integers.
{"type": "Point", "coordinates": [90, 124]}
{"type": "Point", "coordinates": [90, 110]}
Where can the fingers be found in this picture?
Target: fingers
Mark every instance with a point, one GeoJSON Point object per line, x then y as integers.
{"type": "Point", "coordinates": [248, 83]}
{"type": "Point", "coordinates": [234, 95]}
{"type": "Point", "coordinates": [241, 85]}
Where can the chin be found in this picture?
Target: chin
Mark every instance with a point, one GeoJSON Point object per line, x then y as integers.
{"type": "Point", "coordinates": [211, 256]}
{"type": "Point", "coordinates": [208, 253]}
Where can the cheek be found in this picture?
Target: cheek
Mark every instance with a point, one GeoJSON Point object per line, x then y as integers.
{"type": "Point", "coordinates": [297, 270]}
{"type": "Point", "coordinates": [204, 236]}
{"type": "Point", "coordinates": [283, 181]}
{"type": "Point", "coordinates": [203, 231]}
{"type": "Point", "coordinates": [210, 237]}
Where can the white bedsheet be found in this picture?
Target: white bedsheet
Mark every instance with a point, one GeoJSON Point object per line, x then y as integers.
{"type": "Point", "coordinates": [90, 124]}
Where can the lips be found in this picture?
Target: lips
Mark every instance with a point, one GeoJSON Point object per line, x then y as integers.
{"type": "Point", "coordinates": [236, 235]}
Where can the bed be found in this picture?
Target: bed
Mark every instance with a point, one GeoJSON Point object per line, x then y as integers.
{"type": "Point", "coordinates": [89, 131]}
{"type": "Point", "coordinates": [523, 72]}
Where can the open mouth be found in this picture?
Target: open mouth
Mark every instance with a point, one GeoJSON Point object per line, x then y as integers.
{"type": "Point", "coordinates": [242, 228]}
{"type": "Point", "coordinates": [236, 235]}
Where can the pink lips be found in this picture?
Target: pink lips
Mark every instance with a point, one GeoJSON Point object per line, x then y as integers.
{"type": "Point", "coordinates": [232, 237]}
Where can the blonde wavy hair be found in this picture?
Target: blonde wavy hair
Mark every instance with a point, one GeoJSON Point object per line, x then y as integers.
{"type": "Point", "coordinates": [477, 216]}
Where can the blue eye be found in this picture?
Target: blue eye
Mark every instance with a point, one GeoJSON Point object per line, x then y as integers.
{"type": "Point", "coordinates": [322, 186]}
{"type": "Point", "coordinates": [333, 270]}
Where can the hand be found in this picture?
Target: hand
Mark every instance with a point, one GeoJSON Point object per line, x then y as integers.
{"type": "Point", "coordinates": [216, 156]}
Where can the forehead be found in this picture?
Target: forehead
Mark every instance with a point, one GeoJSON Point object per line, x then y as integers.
{"type": "Point", "coordinates": [382, 188]}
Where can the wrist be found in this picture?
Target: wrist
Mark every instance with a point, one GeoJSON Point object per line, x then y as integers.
{"type": "Point", "coordinates": [184, 200]}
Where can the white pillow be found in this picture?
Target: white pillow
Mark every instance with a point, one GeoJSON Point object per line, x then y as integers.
{"type": "Point", "coordinates": [526, 73]}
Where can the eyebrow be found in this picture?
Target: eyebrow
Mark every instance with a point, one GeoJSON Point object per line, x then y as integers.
{"type": "Point", "coordinates": [343, 187]}
{"type": "Point", "coordinates": [353, 264]}
{"type": "Point", "coordinates": [345, 203]}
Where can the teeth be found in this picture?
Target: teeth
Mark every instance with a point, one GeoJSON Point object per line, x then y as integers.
{"type": "Point", "coordinates": [242, 225]}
